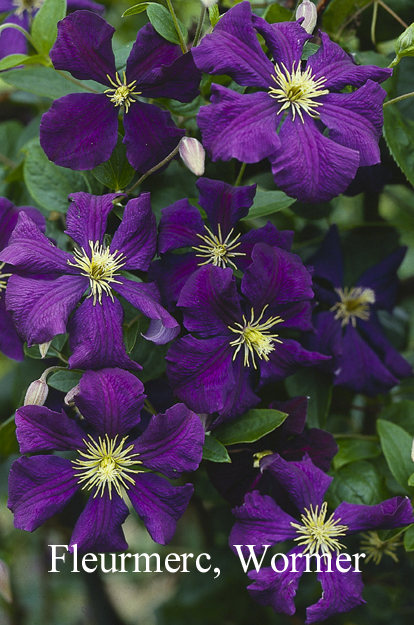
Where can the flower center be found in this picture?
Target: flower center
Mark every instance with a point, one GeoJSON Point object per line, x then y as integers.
{"type": "Point", "coordinates": [122, 93]}
{"type": "Point", "coordinates": [255, 337]}
{"type": "Point", "coordinates": [106, 465]}
{"type": "Point", "coordinates": [100, 268]}
{"type": "Point", "coordinates": [27, 5]}
{"type": "Point", "coordinates": [354, 303]}
{"type": "Point", "coordinates": [317, 534]}
{"type": "Point", "coordinates": [297, 90]}
{"type": "Point", "coordinates": [3, 276]}
{"type": "Point", "coordinates": [217, 251]}
{"type": "Point", "coordinates": [376, 548]}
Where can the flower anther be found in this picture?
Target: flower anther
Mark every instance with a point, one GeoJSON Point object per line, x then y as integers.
{"type": "Point", "coordinates": [217, 251]}
{"type": "Point", "coordinates": [106, 465]}
{"type": "Point", "coordinates": [354, 303]}
{"type": "Point", "coordinates": [255, 337]}
{"type": "Point", "coordinates": [298, 90]}
{"type": "Point", "coordinates": [317, 534]}
{"type": "Point", "coordinates": [122, 94]}
{"type": "Point", "coordinates": [3, 276]}
{"type": "Point", "coordinates": [27, 5]}
{"type": "Point", "coordinates": [376, 548]}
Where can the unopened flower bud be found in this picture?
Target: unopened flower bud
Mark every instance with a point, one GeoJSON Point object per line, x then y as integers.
{"type": "Point", "coordinates": [70, 396]}
{"type": "Point", "coordinates": [193, 155]}
{"type": "Point", "coordinates": [43, 348]}
{"type": "Point", "coordinates": [36, 394]}
{"type": "Point", "coordinates": [5, 586]}
{"type": "Point", "coordinates": [307, 10]}
{"type": "Point", "coordinates": [208, 3]}
{"type": "Point", "coordinates": [404, 46]}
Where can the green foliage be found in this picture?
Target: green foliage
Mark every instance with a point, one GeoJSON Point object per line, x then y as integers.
{"type": "Point", "coordinates": [396, 445]}
{"type": "Point", "coordinates": [116, 173]}
{"type": "Point", "coordinates": [214, 451]}
{"type": "Point", "coordinates": [46, 82]}
{"type": "Point", "coordinates": [399, 135]}
{"type": "Point", "coordinates": [161, 19]}
{"type": "Point", "coordinates": [8, 440]}
{"type": "Point", "coordinates": [137, 8]}
{"type": "Point", "coordinates": [357, 483]}
{"type": "Point", "coordinates": [44, 27]}
{"type": "Point", "coordinates": [214, 14]}
{"type": "Point", "coordinates": [339, 11]}
{"type": "Point", "coordinates": [318, 388]}
{"type": "Point", "coordinates": [64, 381]}
{"type": "Point", "coordinates": [276, 13]}
{"type": "Point", "coordinates": [267, 203]}
{"type": "Point", "coordinates": [352, 450]}
{"type": "Point", "coordinates": [248, 428]}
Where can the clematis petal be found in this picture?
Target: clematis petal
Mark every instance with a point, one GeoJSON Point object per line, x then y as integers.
{"type": "Point", "coordinates": [39, 487]}
{"type": "Point", "coordinates": [87, 216]}
{"type": "Point", "coordinates": [10, 342]}
{"type": "Point", "coordinates": [267, 234]}
{"type": "Point", "coordinates": [233, 49]}
{"type": "Point", "coordinates": [95, 336]}
{"type": "Point", "coordinates": [136, 237]}
{"type": "Point", "coordinates": [171, 273]}
{"type": "Point", "coordinates": [225, 205]}
{"type": "Point", "coordinates": [241, 126]}
{"type": "Point", "coordinates": [285, 40]}
{"type": "Point", "coordinates": [89, 5]}
{"type": "Point", "coordinates": [41, 308]}
{"type": "Point", "coordinates": [150, 51]}
{"type": "Point", "coordinates": [111, 400]}
{"type": "Point", "coordinates": [12, 41]}
{"type": "Point", "coordinates": [99, 528]}
{"type": "Point", "coordinates": [150, 135]}
{"type": "Point", "coordinates": [40, 429]}
{"type": "Point", "coordinates": [80, 130]}
{"type": "Point", "coordinates": [159, 505]}
{"type": "Point", "coordinates": [9, 214]}
{"type": "Point", "coordinates": [84, 47]}
{"type": "Point", "coordinates": [327, 262]}
{"type": "Point", "coordinates": [310, 166]}
{"type": "Point", "coordinates": [172, 443]}
{"type": "Point", "coordinates": [389, 514]}
{"type": "Point", "coordinates": [383, 280]}
{"type": "Point", "coordinates": [179, 226]}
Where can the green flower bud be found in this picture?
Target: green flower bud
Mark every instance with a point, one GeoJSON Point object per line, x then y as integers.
{"type": "Point", "coordinates": [404, 45]}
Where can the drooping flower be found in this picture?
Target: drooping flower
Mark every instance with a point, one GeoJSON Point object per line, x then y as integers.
{"type": "Point", "coordinates": [305, 100]}
{"type": "Point", "coordinates": [239, 336]}
{"type": "Point", "coordinates": [80, 130]}
{"type": "Point", "coordinates": [213, 243]}
{"type": "Point", "coordinates": [41, 308]}
{"type": "Point", "coordinates": [260, 522]}
{"type": "Point", "coordinates": [110, 462]}
{"type": "Point", "coordinates": [347, 322]}
{"type": "Point", "coordinates": [10, 343]}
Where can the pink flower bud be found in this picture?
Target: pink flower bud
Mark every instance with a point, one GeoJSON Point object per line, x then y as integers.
{"type": "Point", "coordinates": [307, 10]}
{"type": "Point", "coordinates": [209, 3]}
{"type": "Point", "coordinates": [36, 394]}
{"type": "Point", "coordinates": [193, 155]}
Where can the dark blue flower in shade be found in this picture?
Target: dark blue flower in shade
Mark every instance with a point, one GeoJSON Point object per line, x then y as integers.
{"type": "Point", "coordinates": [80, 130]}
{"type": "Point", "coordinates": [214, 242]}
{"type": "Point", "coordinates": [347, 323]}
{"type": "Point", "coordinates": [324, 136]}
{"type": "Point", "coordinates": [112, 462]}
{"type": "Point", "coordinates": [261, 521]}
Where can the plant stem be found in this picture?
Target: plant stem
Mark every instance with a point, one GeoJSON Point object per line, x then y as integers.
{"type": "Point", "coordinates": [401, 97]}
{"type": "Point", "coordinates": [199, 26]}
{"type": "Point", "coordinates": [374, 22]}
{"type": "Point", "coordinates": [363, 437]}
{"type": "Point", "coordinates": [153, 169]}
{"type": "Point", "coordinates": [391, 12]}
{"type": "Point", "coordinates": [177, 28]}
{"type": "Point", "coordinates": [240, 176]}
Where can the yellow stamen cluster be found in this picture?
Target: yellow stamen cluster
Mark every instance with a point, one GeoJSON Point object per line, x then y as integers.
{"type": "Point", "coordinates": [317, 534]}
{"type": "Point", "coordinates": [255, 337]}
{"type": "Point", "coordinates": [297, 89]}
{"type": "Point", "coordinates": [217, 251]}
{"type": "Point", "coordinates": [122, 94]}
{"type": "Point", "coordinates": [354, 303]}
{"type": "Point", "coordinates": [27, 5]}
{"type": "Point", "coordinates": [3, 276]}
{"type": "Point", "coordinates": [100, 268]}
{"type": "Point", "coordinates": [376, 548]}
{"type": "Point", "coordinates": [106, 465]}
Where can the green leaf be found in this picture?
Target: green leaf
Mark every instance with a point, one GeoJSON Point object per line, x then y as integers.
{"type": "Point", "coordinates": [64, 380]}
{"type": "Point", "coordinates": [357, 483]}
{"type": "Point", "coordinates": [137, 8]}
{"type": "Point", "coordinates": [268, 202]}
{"type": "Point", "coordinates": [318, 388]}
{"type": "Point", "coordinates": [161, 19]}
{"type": "Point", "coordinates": [401, 413]}
{"type": "Point", "coordinates": [44, 28]}
{"type": "Point", "coordinates": [276, 13]}
{"type": "Point", "coordinates": [12, 60]}
{"type": "Point", "coordinates": [214, 14]}
{"type": "Point", "coordinates": [339, 11]}
{"type": "Point", "coordinates": [45, 81]}
{"type": "Point", "coordinates": [131, 335]}
{"type": "Point", "coordinates": [116, 173]}
{"type": "Point", "coordinates": [54, 349]}
{"type": "Point", "coordinates": [399, 135]}
{"type": "Point", "coordinates": [49, 184]}
{"type": "Point", "coordinates": [8, 440]}
{"type": "Point", "coordinates": [251, 426]}
{"type": "Point", "coordinates": [353, 450]}
{"type": "Point", "coordinates": [215, 451]}
{"type": "Point", "coordinates": [409, 539]}
{"type": "Point", "coordinates": [10, 132]}
{"type": "Point", "coordinates": [396, 445]}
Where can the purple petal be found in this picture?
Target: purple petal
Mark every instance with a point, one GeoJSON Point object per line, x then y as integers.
{"type": "Point", "coordinates": [10, 342]}
{"type": "Point", "coordinates": [41, 308]}
{"type": "Point", "coordinates": [285, 40]}
{"type": "Point", "coordinates": [80, 130]}
{"type": "Point", "coordinates": [87, 216]}
{"type": "Point", "coordinates": [95, 336]}
{"type": "Point", "coordinates": [111, 400]}
{"type": "Point", "coordinates": [395, 512]}
{"type": "Point", "coordinates": [225, 205]}
{"type": "Point", "coordinates": [383, 279]}
{"type": "Point", "coordinates": [180, 223]}
{"type": "Point", "coordinates": [172, 443]}
{"type": "Point", "coordinates": [318, 444]}
{"type": "Point", "coordinates": [306, 484]}
{"type": "Point", "coordinates": [334, 64]}
{"type": "Point", "coordinates": [233, 49]}
{"type": "Point", "coordinates": [241, 126]}
{"type": "Point", "coordinates": [99, 528]}
{"type": "Point", "coordinates": [327, 262]}
{"type": "Point", "coordinates": [150, 135]}
{"type": "Point", "coordinates": [13, 41]}
{"type": "Point", "coordinates": [171, 273]}
{"type": "Point", "coordinates": [287, 357]}
{"type": "Point", "coordinates": [39, 487]}
{"type": "Point", "coordinates": [309, 166]}
{"type": "Point", "coordinates": [136, 237]}
{"type": "Point", "coordinates": [9, 214]}
{"type": "Point", "coordinates": [296, 409]}
{"type": "Point", "coordinates": [267, 234]}
{"type": "Point", "coordinates": [341, 591]}
{"type": "Point", "coordinates": [159, 505]}
{"type": "Point", "coordinates": [150, 51]}
{"type": "Point", "coordinates": [34, 215]}
{"type": "Point", "coordinates": [84, 47]}
{"type": "Point", "coordinates": [89, 5]}
{"type": "Point", "coordinates": [40, 429]}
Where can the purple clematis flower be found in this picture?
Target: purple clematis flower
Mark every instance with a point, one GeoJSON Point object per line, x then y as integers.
{"type": "Point", "coordinates": [10, 343]}
{"type": "Point", "coordinates": [347, 323]}
{"type": "Point", "coordinates": [260, 522]}
{"type": "Point", "coordinates": [41, 308]}
{"type": "Point", "coordinates": [80, 130]}
{"type": "Point", "coordinates": [303, 99]}
{"type": "Point", "coordinates": [290, 440]}
{"type": "Point", "coordinates": [110, 460]}
{"type": "Point", "coordinates": [21, 12]}
{"type": "Point", "coordinates": [181, 226]}
{"type": "Point", "coordinates": [215, 373]}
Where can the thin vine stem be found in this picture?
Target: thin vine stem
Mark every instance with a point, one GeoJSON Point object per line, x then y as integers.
{"type": "Point", "coordinates": [177, 28]}
{"type": "Point", "coordinates": [401, 97]}
{"type": "Point", "coordinates": [199, 26]}
{"type": "Point", "coordinates": [153, 169]}
{"type": "Point", "coordinates": [240, 176]}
